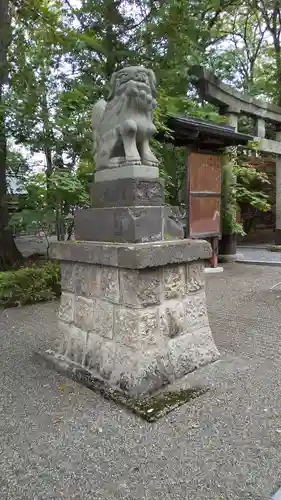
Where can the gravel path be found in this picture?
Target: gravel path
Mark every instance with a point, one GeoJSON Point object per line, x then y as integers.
{"type": "Point", "coordinates": [62, 441]}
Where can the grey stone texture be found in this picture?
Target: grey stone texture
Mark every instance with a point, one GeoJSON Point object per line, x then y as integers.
{"type": "Point", "coordinates": [119, 224]}
{"type": "Point", "coordinates": [134, 224]}
{"type": "Point", "coordinates": [173, 226]}
{"type": "Point", "coordinates": [127, 172]}
{"type": "Point", "coordinates": [127, 192]}
{"type": "Point", "coordinates": [123, 126]}
{"type": "Point", "coordinates": [139, 329]}
{"type": "Point", "coordinates": [133, 302]}
{"type": "Point", "coordinates": [131, 256]}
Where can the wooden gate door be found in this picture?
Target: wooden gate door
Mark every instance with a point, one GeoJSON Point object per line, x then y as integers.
{"type": "Point", "coordinates": [204, 195]}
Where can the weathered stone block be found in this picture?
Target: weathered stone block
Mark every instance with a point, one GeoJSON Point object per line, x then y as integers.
{"type": "Point", "coordinates": [68, 276]}
{"type": "Point", "coordinates": [109, 284]}
{"type": "Point", "coordinates": [141, 374]}
{"type": "Point", "coordinates": [148, 328]}
{"type": "Point", "coordinates": [188, 352]}
{"type": "Point", "coordinates": [136, 328]}
{"type": "Point", "coordinates": [140, 288]}
{"type": "Point", "coordinates": [162, 253]}
{"type": "Point", "coordinates": [132, 256]}
{"type": "Point", "coordinates": [178, 317]}
{"type": "Point", "coordinates": [60, 343]}
{"type": "Point", "coordinates": [140, 313]}
{"type": "Point", "coordinates": [119, 224]}
{"type": "Point", "coordinates": [132, 373]}
{"type": "Point", "coordinates": [195, 276]}
{"type": "Point", "coordinates": [66, 310]}
{"type": "Point", "coordinates": [174, 281]}
{"type": "Point", "coordinates": [77, 344]}
{"type": "Point", "coordinates": [103, 318]}
{"type": "Point", "coordinates": [127, 192]}
{"type": "Point", "coordinates": [84, 313]}
{"type": "Point", "coordinates": [127, 172]}
{"type": "Point", "coordinates": [87, 280]}
{"type": "Point", "coordinates": [126, 327]}
{"type": "Point", "coordinates": [195, 311]}
{"type": "Point", "coordinates": [173, 226]}
{"type": "Point", "coordinates": [172, 319]}
{"type": "Point", "coordinates": [107, 359]}
{"type": "Point", "coordinates": [93, 352]}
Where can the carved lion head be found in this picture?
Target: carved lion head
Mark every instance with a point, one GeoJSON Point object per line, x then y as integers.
{"type": "Point", "coordinates": [137, 74]}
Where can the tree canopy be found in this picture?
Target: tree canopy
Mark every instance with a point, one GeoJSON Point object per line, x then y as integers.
{"type": "Point", "coordinates": [56, 58]}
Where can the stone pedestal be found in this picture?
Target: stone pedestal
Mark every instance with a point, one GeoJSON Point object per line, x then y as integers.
{"type": "Point", "coordinates": [134, 314]}
{"type": "Point", "coordinates": [129, 209]}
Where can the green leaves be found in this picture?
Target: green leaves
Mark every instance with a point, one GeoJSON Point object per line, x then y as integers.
{"type": "Point", "coordinates": [45, 210]}
{"type": "Point", "coordinates": [62, 57]}
{"type": "Point", "coordinates": [242, 188]}
{"type": "Point", "coordinates": [30, 285]}
{"type": "Point", "coordinates": [66, 187]}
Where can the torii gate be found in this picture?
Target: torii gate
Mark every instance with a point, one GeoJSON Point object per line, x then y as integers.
{"type": "Point", "coordinates": [232, 103]}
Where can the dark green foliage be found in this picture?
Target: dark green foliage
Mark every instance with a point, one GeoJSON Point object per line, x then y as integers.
{"type": "Point", "coordinates": [56, 59]}
{"type": "Point", "coordinates": [37, 283]}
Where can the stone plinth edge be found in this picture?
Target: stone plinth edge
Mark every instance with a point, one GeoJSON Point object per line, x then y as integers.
{"type": "Point", "coordinates": [132, 256]}
{"type": "Point", "coordinates": [127, 193]}
{"type": "Point", "coordinates": [127, 172]}
{"type": "Point", "coordinates": [149, 408]}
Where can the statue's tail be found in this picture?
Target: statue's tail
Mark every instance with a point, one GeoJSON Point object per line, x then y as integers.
{"type": "Point", "coordinates": [97, 114]}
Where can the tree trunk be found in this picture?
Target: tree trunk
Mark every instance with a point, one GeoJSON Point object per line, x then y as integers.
{"type": "Point", "coordinates": [9, 254]}
{"type": "Point", "coordinates": [48, 133]}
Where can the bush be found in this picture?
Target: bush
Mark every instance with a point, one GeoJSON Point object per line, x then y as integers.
{"type": "Point", "coordinates": [28, 285]}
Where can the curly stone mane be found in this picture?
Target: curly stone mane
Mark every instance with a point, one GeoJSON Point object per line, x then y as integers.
{"type": "Point", "coordinates": [123, 126]}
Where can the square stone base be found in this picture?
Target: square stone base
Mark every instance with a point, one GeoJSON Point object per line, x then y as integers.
{"type": "Point", "coordinates": [127, 193]}
{"type": "Point", "coordinates": [135, 224]}
{"type": "Point", "coordinates": [120, 224]}
{"type": "Point", "coordinates": [138, 323]}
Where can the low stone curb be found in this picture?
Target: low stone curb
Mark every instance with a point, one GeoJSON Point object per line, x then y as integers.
{"type": "Point", "coordinates": [224, 259]}
{"type": "Point", "coordinates": [149, 408]}
{"type": "Point", "coordinates": [259, 262]}
{"type": "Point", "coordinates": [213, 270]}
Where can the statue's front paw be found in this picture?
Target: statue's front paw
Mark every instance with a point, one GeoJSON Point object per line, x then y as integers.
{"type": "Point", "coordinates": [150, 160]}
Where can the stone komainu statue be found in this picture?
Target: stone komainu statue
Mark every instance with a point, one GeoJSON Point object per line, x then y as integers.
{"type": "Point", "coordinates": [123, 126]}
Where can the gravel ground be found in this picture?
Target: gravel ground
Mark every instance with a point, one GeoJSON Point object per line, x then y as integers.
{"type": "Point", "coordinates": [62, 441]}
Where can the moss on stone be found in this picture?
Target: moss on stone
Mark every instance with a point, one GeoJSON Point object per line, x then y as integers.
{"type": "Point", "coordinates": [275, 248]}
{"type": "Point", "coordinates": [154, 407]}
